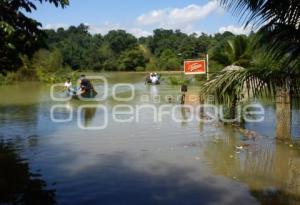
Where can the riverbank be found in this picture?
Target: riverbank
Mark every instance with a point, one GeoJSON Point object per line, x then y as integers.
{"type": "Point", "coordinates": [23, 75]}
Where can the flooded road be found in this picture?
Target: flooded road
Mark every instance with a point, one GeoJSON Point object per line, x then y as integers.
{"type": "Point", "coordinates": [55, 152]}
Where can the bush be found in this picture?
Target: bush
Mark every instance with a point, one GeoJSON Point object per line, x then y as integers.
{"type": "Point", "coordinates": [179, 80]}
{"type": "Point", "coordinates": [2, 79]}
{"type": "Point", "coordinates": [110, 65]}
{"type": "Point", "coordinates": [152, 65]}
{"type": "Point", "coordinates": [201, 77]}
{"type": "Point", "coordinates": [139, 68]}
{"type": "Point", "coordinates": [131, 59]}
{"type": "Point", "coordinates": [168, 60]}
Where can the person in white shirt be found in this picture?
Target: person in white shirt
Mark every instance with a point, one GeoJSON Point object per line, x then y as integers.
{"type": "Point", "coordinates": [154, 79]}
{"type": "Point", "coordinates": [68, 84]}
{"type": "Point", "coordinates": [150, 77]}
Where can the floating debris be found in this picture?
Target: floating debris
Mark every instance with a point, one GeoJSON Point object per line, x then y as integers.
{"type": "Point", "coordinates": [193, 144]}
{"type": "Point", "coordinates": [239, 147]}
{"type": "Point", "coordinates": [248, 133]}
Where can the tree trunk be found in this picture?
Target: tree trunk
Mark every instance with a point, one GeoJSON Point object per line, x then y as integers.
{"type": "Point", "coordinates": [232, 108]}
{"type": "Point", "coordinates": [283, 114]}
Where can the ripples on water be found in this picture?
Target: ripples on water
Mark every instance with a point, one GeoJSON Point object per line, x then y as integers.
{"type": "Point", "coordinates": [139, 162]}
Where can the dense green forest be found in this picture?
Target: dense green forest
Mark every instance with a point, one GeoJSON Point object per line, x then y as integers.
{"type": "Point", "coordinates": [121, 51]}
{"type": "Point", "coordinates": [27, 52]}
{"type": "Point", "coordinates": [75, 49]}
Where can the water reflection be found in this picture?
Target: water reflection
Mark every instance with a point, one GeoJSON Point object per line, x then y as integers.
{"type": "Point", "coordinates": [22, 117]}
{"type": "Point", "coordinates": [17, 184]}
{"type": "Point", "coordinates": [88, 114]}
{"type": "Point", "coordinates": [140, 162]}
{"type": "Point", "coordinates": [270, 169]}
{"type": "Point", "coordinates": [115, 179]}
{"type": "Point", "coordinates": [185, 115]}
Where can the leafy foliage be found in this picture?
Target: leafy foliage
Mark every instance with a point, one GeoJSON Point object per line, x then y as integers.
{"type": "Point", "coordinates": [120, 40]}
{"type": "Point", "coordinates": [19, 34]}
{"type": "Point", "coordinates": [168, 60]}
{"type": "Point", "coordinates": [278, 24]}
{"type": "Point", "coordinates": [277, 42]}
{"type": "Point", "coordinates": [132, 59]}
{"type": "Point", "coordinates": [179, 80]}
{"type": "Point", "coordinates": [234, 51]}
{"type": "Point", "coordinates": [121, 51]}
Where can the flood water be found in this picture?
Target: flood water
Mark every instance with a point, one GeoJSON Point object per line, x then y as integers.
{"type": "Point", "coordinates": [73, 159]}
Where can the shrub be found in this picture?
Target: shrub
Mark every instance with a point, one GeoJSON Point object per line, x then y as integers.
{"type": "Point", "coordinates": [179, 80]}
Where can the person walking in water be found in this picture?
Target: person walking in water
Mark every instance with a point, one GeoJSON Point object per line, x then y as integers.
{"type": "Point", "coordinates": [68, 85]}
{"type": "Point", "coordinates": [86, 89]}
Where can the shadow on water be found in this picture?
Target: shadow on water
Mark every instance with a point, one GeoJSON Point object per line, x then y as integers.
{"type": "Point", "coordinates": [17, 184]}
{"type": "Point", "coordinates": [275, 197]}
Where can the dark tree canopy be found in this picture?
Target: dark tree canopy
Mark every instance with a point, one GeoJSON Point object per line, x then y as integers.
{"type": "Point", "coordinates": [119, 40]}
{"type": "Point", "coordinates": [20, 35]}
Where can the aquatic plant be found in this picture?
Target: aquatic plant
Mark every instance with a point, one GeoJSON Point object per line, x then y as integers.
{"type": "Point", "coordinates": [179, 80]}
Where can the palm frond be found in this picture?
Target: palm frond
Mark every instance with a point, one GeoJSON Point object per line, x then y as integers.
{"type": "Point", "coordinates": [233, 52]}
{"type": "Point", "coordinates": [278, 23]}
{"type": "Point", "coordinates": [282, 41]}
{"type": "Point", "coordinates": [255, 82]}
{"type": "Point", "coordinates": [262, 12]}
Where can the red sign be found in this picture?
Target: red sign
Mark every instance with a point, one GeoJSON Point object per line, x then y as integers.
{"type": "Point", "coordinates": [194, 67]}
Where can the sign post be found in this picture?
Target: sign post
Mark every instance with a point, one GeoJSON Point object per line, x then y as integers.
{"type": "Point", "coordinates": [197, 66]}
{"type": "Point", "coordinates": [192, 67]}
{"type": "Point", "coordinates": [207, 68]}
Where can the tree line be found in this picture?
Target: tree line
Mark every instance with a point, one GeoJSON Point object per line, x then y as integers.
{"type": "Point", "coordinates": [121, 51]}
{"type": "Point", "coordinates": [29, 52]}
{"type": "Point", "coordinates": [75, 49]}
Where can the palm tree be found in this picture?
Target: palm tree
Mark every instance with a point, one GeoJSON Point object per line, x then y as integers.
{"type": "Point", "coordinates": [277, 22]}
{"type": "Point", "coordinates": [234, 51]}
{"type": "Point", "coordinates": [232, 54]}
{"type": "Point", "coordinates": [278, 36]}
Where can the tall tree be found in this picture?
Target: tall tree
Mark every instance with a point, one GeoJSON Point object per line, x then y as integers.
{"type": "Point", "coordinates": [131, 59]}
{"type": "Point", "coordinates": [279, 29]}
{"type": "Point", "coordinates": [120, 40]}
{"type": "Point", "coordinates": [20, 35]}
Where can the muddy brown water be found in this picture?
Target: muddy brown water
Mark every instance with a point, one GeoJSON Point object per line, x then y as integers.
{"type": "Point", "coordinates": [138, 160]}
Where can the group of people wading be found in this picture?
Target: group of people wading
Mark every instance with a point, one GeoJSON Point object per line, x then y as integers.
{"type": "Point", "coordinates": [152, 78]}
{"type": "Point", "coordinates": [84, 89]}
